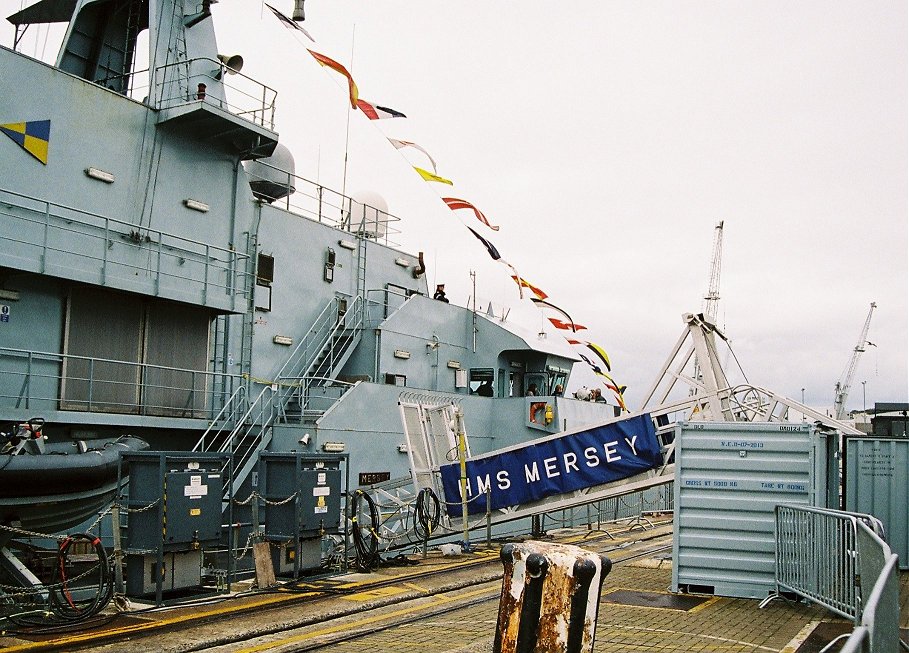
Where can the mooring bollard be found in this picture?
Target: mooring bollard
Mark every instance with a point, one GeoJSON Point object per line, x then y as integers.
{"type": "Point", "coordinates": [550, 597]}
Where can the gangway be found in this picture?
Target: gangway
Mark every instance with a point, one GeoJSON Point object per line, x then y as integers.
{"type": "Point", "coordinates": [613, 458]}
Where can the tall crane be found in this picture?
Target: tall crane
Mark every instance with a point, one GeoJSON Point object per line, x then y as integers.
{"type": "Point", "coordinates": [842, 386]}
{"type": "Point", "coordinates": [712, 298]}
{"type": "Point", "coordinates": [713, 288]}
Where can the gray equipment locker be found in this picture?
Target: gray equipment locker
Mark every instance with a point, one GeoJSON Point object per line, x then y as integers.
{"type": "Point", "coordinates": [729, 479]}
{"type": "Point", "coordinates": [302, 496]}
{"type": "Point", "coordinates": [174, 504]}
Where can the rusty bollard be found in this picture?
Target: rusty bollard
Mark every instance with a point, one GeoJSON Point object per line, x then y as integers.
{"type": "Point", "coordinates": [550, 597]}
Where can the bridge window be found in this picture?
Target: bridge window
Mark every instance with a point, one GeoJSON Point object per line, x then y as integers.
{"type": "Point", "coordinates": [481, 378]}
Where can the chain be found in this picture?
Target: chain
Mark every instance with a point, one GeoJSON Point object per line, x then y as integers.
{"type": "Point", "coordinates": [246, 548]}
{"type": "Point", "coordinates": [61, 537]}
{"type": "Point", "coordinates": [22, 531]}
{"type": "Point", "coordinates": [17, 590]}
{"type": "Point", "coordinates": [256, 495]}
{"type": "Point", "coordinates": [144, 508]}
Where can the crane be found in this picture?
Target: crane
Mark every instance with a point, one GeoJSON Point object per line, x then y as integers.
{"type": "Point", "coordinates": [842, 386]}
{"type": "Point", "coordinates": [712, 298]}
{"type": "Point", "coordinates": [713, 289]}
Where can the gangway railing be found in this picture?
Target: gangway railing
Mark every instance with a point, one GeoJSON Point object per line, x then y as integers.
{"type": "Point", "coordinates": [432, 444]}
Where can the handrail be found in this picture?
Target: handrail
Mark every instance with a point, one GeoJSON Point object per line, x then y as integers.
{"type": "Point", "coordinates": [240, 439]}
{"type": "Point", "coordinates": [224, 417]}
{"type": "Point", "coordinates": [42, 385]}
{"type": "Point", "coordinates": [263, 96]}
{"type": "Point", "coordinates": [313, 201]}
{"type": "Point", "coordinates": [319, 356]}
{"type": "Point", "coordinates": [50, 230]}
{"type": "Point", "coordinates": [203, 247]}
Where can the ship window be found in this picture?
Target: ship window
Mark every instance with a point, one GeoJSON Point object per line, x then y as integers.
{"type": "Point", "coordinates": [395, 379]}
{"type": "Point", "coordinates": [478, 377]}
{"type": "Point", "coordinates": [265, 270]}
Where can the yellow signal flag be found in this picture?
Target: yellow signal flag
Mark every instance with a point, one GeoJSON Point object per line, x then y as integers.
{"type": "Point", "coordinates": [429, 176]}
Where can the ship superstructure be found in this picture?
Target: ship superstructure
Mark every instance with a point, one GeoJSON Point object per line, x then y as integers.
{"type": "Point", "coordinates": [165, 273]}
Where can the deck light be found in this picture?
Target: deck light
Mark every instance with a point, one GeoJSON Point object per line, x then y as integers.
{"type": "Point", "coordinates": [196, 205]}
{"type": "Point", "coordinates": [100, 175]}
{"type": "Point", "coordinates": [400, 353]}
{"type": "Point", "coordinates": [455, 365]}
{"type": "Point", "coordinates": [346, 244]}
{"type": "Point", "coordinates": [403, 262]}
{"type": "Point", "coordinates": [333, 447]}
{"type": "Point", "coordinates": [283, 340]}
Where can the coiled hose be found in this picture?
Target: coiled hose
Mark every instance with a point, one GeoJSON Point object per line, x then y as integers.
{"type": "Point", "coordinates": [65, 607]}
{"type": "Point", "coordinates": [365, 535]}
{"type": "Point", "coordinates": [427, 513]}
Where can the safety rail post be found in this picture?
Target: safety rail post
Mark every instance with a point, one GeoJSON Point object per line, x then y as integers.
{"type": "Point", "coordinates": [542, 584]}
{"type": "Point", "coordinates": [488, 517]}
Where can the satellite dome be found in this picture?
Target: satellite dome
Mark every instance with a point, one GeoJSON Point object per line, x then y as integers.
{"type": "Point", "coordinates": [367, 212]}
{"type": "Point", "coordinates": [272, 177]}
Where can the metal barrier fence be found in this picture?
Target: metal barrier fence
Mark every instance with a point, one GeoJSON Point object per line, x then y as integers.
{"type": "Point", "coordinates": [818, 556]}
{"type": "Point", "coordinates": [879, 629]}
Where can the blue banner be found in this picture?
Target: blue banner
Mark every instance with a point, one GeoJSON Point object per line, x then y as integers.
{"type": "Point", "coordinates": [542, 469]}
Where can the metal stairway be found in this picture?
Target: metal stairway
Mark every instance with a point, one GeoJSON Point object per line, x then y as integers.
{"type": "Point", "coordinates": [332, 350]}
{"type": "Point", "coordinates": [243, 427]}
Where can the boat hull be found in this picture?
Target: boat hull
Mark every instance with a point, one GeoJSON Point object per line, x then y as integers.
{"type": "Point", "coordinates": [53, 492]}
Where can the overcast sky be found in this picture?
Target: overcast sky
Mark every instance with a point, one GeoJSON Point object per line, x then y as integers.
{"type": "Point", "coordinates": [607, 139]}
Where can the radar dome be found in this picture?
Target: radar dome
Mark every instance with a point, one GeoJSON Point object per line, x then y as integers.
{"type": "Point", "coordinates": [368, 214]}
{"type": "Point", "coordinates": [272, 177]}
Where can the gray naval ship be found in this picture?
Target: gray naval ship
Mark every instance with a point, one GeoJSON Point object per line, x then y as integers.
{"type": "Point", "coordinates": [168, 282]}
{"type": "Point", "coordinates": [161, 263]}
{"type": "Point", "coordinates": [164, 273]}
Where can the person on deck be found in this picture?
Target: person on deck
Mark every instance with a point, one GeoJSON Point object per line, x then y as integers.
{"type": "Point", "coordinates": [485, 389]}
{"type": "Point", "coordinates": [532, 390]}
{"type": "Point", "coordinates": [440, 293]}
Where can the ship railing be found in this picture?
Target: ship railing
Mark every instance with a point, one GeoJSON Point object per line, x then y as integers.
{"type": "Point", "coordinates": [184, 82]}
{"type": "Point", "coordinates": [316, 202]}
{"type": "Point", "coordinates": [36, 380]}
{"type": "Point", "coordinates": [390, 299]}
{"type": "Point", "coordinates": [43, 235]}
{"type": "Point", "coordinates": [317, 394]}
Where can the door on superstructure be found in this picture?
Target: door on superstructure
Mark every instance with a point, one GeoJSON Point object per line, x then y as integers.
{"type": "Point", "coordinates": [132, 354]}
